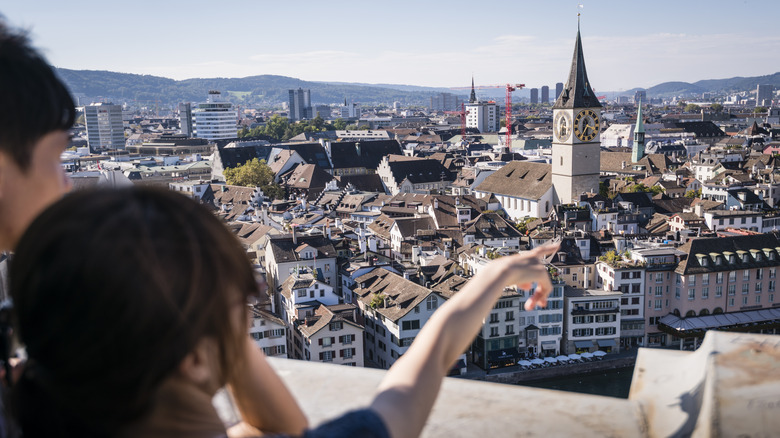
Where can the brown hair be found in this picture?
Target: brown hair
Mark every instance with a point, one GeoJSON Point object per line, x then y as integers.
{"type": "Point", "coordinates": [112, 289]}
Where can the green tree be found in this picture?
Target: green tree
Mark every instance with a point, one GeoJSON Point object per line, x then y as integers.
{"type": "Point", "coordinates": [339, 125]}
{"type": "Point", "coordinates": [693, 194]}
{"type": "Point", "coordinates": [243, 132]}
{"type": "Point", "coordinates": [276, 127]}
{"type": "Point", "coordinates": [716, 107]}
{"type": "Point", "coordinates": [255, 173]}
{"type": "Point", "coordinates": [691, 108]}
{"type": "Point", "coordinates": [760, 109]}
{"type": "Point", "coordinates": [604, 189]}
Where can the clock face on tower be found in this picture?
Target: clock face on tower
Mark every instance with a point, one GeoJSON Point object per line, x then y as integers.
{"type": "Point", "coordinates": [586, 125]}
{"type": "Point", "coordinates": [562, 126]}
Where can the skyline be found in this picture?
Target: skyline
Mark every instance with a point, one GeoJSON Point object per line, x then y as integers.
{"type": "Point", "coordinates": [626, 45]}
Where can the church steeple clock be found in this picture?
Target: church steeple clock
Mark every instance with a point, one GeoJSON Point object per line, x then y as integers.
{"type": "Point", "coordinates": [576, 129]}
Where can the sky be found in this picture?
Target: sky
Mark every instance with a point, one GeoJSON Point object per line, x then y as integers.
{"type": "Point", "coordinates": [627, 43]}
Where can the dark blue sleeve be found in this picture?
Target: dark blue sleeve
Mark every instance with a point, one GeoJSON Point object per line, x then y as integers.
{"type": "Point", "coordinates": [364, 423]}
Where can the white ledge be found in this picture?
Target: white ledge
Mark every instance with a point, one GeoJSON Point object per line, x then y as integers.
{"type": "Point", "coordinates": [730, 386]}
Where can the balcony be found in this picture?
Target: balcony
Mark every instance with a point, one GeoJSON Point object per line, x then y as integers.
{"type": "Point", "coordinates": [728, 387]}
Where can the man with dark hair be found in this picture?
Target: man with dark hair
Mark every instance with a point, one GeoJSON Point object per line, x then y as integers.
{"type": "Point", "coordinates": [36, 112]}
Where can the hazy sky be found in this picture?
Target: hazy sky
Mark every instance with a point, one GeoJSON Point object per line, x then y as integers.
{"type": "Point", "coordinates": [627, 43]}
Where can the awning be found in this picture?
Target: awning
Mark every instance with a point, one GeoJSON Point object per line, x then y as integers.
{"type": "Point", "coordinates": [583, 344]}
{"type": "Point", "coordinates": [722, 320]}
{"type": "Point", "coordinates": [549, 344]}
{"type": "Point", "coordinates": [606, 343]}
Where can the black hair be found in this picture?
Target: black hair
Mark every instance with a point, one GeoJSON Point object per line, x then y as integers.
{"type": "Point", "coordinates": [112, 289]}
{"type": "Point", "coordinates": [33, 100]}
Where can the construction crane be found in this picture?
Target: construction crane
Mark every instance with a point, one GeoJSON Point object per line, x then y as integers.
{"type": "Point", "coordinates": [462, 113]}
{"type": "Point", "coordinates": [510, 88]}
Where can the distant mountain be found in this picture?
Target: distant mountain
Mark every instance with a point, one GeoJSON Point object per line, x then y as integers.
{"type": "Point", "coordinates": [735, 84]}
{"type": "Point", "coordinates": [265, 90]}
{"type": "Point", "coordinates": [271, 90]}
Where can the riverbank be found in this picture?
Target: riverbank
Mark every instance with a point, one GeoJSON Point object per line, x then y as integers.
{"type": "Point", "coordinates": [515, 375]}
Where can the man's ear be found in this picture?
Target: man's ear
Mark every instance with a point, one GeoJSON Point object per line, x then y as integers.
{"type": "Point", "coordinates": [200, 365]}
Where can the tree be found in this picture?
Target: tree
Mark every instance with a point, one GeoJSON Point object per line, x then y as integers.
{"type": "Point", "coordinates": [339, 124]}
{"type": "Point", "coordinates": [691, 107]}
{"type": "Point", "coordinates": [716, 107]}
{"type": "Point", "coordinates": [255, 173]}
{"type": "Point", "coordinates": [693, 194]}
{"type": "Point", "coordinates": [759, 109]}
{"type": "Point", "coordinates": [276, 127]}
{"type": "Point", "coordinates": [604, 188]}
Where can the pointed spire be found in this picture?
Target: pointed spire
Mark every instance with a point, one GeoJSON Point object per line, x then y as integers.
{"type": "Point", "coordinates": [473, 97]}
{"type": "Point", "coordinates": [638, 149]}
{"type": "Point", "coordinates": [577, 92]}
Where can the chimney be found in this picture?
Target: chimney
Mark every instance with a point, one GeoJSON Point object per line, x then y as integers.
{"type": "Point", "coordinates": [295, 238]}
{"type": "Point", "coordinates": [623, 165]}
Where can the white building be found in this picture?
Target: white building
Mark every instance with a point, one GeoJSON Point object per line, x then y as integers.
{"type": "Point", "coordinates": [592, 320]}
{"type": "Point", "coordinates": [332, 335]}
{"type": "Point", "coordinates": [483, 116]}
{"type": "Point", "coordinates": [105, 129]}
{"type": "Point", "coordinates": [215, 119]}
{"type": "Point", "coordinates": [524, 189]}
{"type": "Point", "coordinates": [628, 278]}
{"type": "Point", "coordinates": [394, 309]}
{"type": "Point", "coordinates": [269, 333]}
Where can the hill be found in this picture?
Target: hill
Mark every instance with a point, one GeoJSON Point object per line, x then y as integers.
{"type": "Point", "coordinates": [263, 90]}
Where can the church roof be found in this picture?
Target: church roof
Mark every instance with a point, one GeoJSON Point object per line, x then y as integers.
{"type": "Point", "coordinates": [577, 92]}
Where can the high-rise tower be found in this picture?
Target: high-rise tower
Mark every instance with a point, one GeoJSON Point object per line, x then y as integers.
{"type": "Point", "coordinates": [638, 151]}
{"type": "Point", "coordinates": [576, 158]}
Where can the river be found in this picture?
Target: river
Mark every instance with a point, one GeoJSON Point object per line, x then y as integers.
{"type": "Point", "coordinates": [611, 383]}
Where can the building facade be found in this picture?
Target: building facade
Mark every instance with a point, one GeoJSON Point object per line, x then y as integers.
{"type": "Point", "coordinates": [105, 129]}
{"type": "Point", "coordinates": [483, 116]}
{"type": "Point", "coordinates": [215, 119]}
{"type": "Point", "coordinates": [300, 104]}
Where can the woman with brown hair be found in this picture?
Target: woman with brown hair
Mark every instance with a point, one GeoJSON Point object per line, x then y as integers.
{"type": "Point", "coordinates": [132, 307]}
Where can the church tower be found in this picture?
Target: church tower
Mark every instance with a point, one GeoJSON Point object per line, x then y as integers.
{"type": "Point", "coordinates": [576, 159]}
{"type": "Point", "coordinates": [638, 151]}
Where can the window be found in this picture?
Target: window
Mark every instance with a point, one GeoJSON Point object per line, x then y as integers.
{"type": "Point", "coordinates": [335, 326]}
{"type": "Point", "coordinates": [413, 324]}
{"type": "Point", "coordinates": [510, 316]}
{"type": "Point", "coordinates": [744, 301]}
{"type": "Point", "coordinates": [745, 289]}
{"type": "Point", "coordinates": [772, 272]}
{"type": "Point", "coordinates": [659, 277]}
{"type": "Point", "coordinates": [759, 274]}
{"type": "Point", "coordinates": [347, 353]}
{"type": "Point", "coordinates": [758, 299]}
{"type": "Point", "coordinates": [705, 293]}
{"type": "Point", "coordinates": [326, 356]}
{"type": "Point", "coordinates": [417, 309]}
{"type": "Point", "coordinates": [302, 293]}
{"type": "Point", "coordinates": [719, 278]}
{"type": "Point", "coordinates": [677, 293]}
{"type": "Point", "coordinates": [431, 303]}
{"type": "Point", "coordinates": [732, 290]}
{"type": "Point", "coordinates": [691, 294]}
{"type": "Point", "coordinates": [493, 318]}
{"type": "Point", "coordinates": [510, 330]}
{"type": "Point", "coordinates": [771, 285]}
{"type": "Point", "coordinates": [731, 301]}
{"type": "Point", "coordinates": [347, 339]}
{"type": "Point", "coordinates": [718, 291]}
{"type": "Point", "coordinates": [745, 275]}
{"type": "Point", "coordinates": [493, 331]}
{"type": "Point", "coordinates": [758, 288]}
{"type": "Point", "coordinates": [659, 290]}
{"type": "Point", "coordinates": [691, 280]}
{"type": "Point", "coordinates": [705, 279]}
{"type": "Point", "coordinates": [635, 288]}
{"type": "Point", "coordinates": [658, 304]}
{"type": "Point", "coordinates": [732, 276]}
{"type": "Point", "coordinates": [635, 300]}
